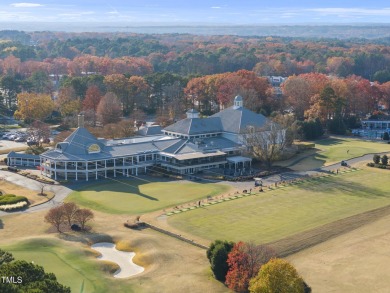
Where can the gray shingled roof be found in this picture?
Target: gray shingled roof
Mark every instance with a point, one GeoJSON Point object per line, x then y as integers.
{"type": "Point", "coordinates": [192, 126]}
{"type": "Point", "coordinates": [237, 120]}
{"type": "Point", "coordinates": [78, 142]}
{"type": "Point", "coordinates": [12, 154]}
{"type": "Point", "coordinates": [151, 130]}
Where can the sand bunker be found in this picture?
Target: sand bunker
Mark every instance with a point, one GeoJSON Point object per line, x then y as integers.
{"type": "Point", "coordinates": [122, 258]}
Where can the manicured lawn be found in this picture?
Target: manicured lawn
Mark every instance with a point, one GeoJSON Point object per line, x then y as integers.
{"type": "Point", "coordinates": [137, 197]}
{"type": "Point", "coordinates": [280, 213]}
{"type": "Point", "coordinates": [332, 150]}
{"type": "Point", "coordinates": [72, 266]}
{"type": "Point", "coordinates": [335, 149]}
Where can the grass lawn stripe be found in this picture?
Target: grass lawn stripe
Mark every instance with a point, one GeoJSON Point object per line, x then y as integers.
{"type": "Point", "coordinates": [281, 213]}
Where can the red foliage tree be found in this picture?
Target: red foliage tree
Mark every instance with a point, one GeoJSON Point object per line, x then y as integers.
{"type": "Point", "coordinates": [91, 101]}
{"type": "Point", "coordinates": [245, 260]}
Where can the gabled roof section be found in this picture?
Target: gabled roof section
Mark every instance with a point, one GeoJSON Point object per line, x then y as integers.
{"type": "Point", "coordinates": [193, 126]}
{"type": "Point", "coordinates": [237, 120]}
{"type": "Point", "coordinates": [80, 140]}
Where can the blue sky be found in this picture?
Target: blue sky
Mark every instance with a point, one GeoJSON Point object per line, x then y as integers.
{"type": "Point", "coordinates": [200, 11]}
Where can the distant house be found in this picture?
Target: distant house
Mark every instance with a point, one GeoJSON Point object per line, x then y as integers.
{"type": "Point", "coordinates": [185, 147]}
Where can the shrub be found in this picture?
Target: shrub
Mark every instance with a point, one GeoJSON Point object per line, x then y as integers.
{"type": "Point", "coordinates": [278, 276]}
{"type": "Point", "coordinates": [370, 165]}
{"type": "Point", "coordinates": [386, 136]}
{"type": "Point", "coordinates": [384, 160]}
{"type": "Point", "coordinates": [15, 206]}
{"type": "Point", "coordinates": [217, 255]}
{"type": "Point", "coordinates": [376, 159]}
{"type": "Point", "coordinates": [9, 199]}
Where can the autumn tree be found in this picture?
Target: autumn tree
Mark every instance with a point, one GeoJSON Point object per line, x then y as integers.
{"type": "Point", "coordinates": [55, 216]}
{"type": "Point", "coordinates": [33, 106]}
{"type": "Point", "coordinates": [217, 255]}
{"type": "Point", "coordinates": [82, 216]}
{"type": "Point", "coordinates": [277, 276]}
{"type": "Point", "coordinates": [109, 109]}
{"type": "Point", "coordinates": [118, 84]}
{"type": "Point", "coordinates": [67, 102]}
{"type": "Point", "coordinates": [91, 102]}
{"type": "Point", "coordinates": [245, 260]}
{"type": "Point", "coordinates": [266, 143]}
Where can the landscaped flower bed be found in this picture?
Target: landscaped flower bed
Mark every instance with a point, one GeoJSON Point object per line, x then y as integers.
{"type": "Point", "coordinates": [9, 202]}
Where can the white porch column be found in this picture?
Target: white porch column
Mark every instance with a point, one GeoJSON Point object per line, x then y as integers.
{"type": "Point", "coordinates": [55, 170]}
{"type": "Point", "coordinates": [105, 168]}
{"type": "Point", "coordinates": [127, 172]}
{"type": "Point", "coordinates": [114, 167]}
{"type": "Point", "coordinates": [136, 171]}
{"type": "Point", "coordinates": [86, 171]}
{"type": "Point", "coordinates": [41, 165]}
{"type": "Point", "coordinates": [96, 164]}
{"type": "Point", "coordinates": [77, 163]}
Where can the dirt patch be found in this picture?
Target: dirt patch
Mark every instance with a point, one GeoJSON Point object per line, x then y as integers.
{"type": "Point", "coordinates": [304, 240]}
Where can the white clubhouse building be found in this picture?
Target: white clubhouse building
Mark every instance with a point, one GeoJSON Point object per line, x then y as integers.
{"type": "Point", "coordinates": [185, 147]}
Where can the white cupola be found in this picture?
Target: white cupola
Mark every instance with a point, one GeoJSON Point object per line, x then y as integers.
{"type": "Point", "coordinates": [238, 102]}
{"type": "Point", "coordinates": [192, 113]}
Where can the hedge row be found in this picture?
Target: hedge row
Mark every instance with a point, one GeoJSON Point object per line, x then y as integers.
{"type": "Point", "coordinates": [380, 166]}
{"type": "Point", "coordinates": [8, 199]}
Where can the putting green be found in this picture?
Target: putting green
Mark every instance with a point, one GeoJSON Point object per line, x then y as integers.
{"type": "Point", "coordinates": [283, 212]}
{"type": "Point", "coordinates": [137, 197]}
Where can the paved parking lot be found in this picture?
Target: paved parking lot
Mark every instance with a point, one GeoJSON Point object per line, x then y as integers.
{"type": "Point", "coordinates": [9, 144]}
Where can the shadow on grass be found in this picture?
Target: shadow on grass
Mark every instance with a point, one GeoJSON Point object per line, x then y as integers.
{"type": "Point", "coordinates": [114, 185]}
{"type": "Point", "coordinates": [330, 141]}
{"type": "Point", "coordinates": [1, 224]}
{"type": "Point", "coordinates": [88, 238]}
{"type": "Point", "coordinates": [341, 184]}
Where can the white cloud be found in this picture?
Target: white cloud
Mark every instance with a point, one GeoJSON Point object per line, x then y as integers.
{"type": "Point", "coordinates": [215, 7]}
{"type": "Point", "coordinates": [24, 4]}
{"type": "Point", "coordinates": [352, 11]}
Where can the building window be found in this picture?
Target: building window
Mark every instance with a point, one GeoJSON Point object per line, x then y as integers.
{"type": "Point", "coordinates": [93, 148]}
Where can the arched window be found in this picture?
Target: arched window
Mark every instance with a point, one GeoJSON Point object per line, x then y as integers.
{"type": "Point", "coordinates": [93, 148]}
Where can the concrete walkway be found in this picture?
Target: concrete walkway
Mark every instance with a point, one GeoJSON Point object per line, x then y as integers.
{"type": "Point", "coordinates": [60, 191]}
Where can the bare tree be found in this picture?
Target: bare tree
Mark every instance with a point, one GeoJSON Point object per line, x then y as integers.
{"type": "Point", "coordinates": [82, 216]}
{"type": "Point", "coordinates": [257, 255]}
{"type": "Point", "coordinates": [55, 216]}
{"type": "Point", "coordinates": [70, 210]}
{"type": "Point", "coordinates": [266, 143]}
{"type": "Point", "coordinates": [40, 131]}
{"type": "Point", "coordinates": [42, 186]}
{"type": "Point", "coordinates": [109, 109]}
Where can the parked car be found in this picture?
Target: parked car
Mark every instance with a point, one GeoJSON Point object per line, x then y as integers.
{"type": "Point", "coordinates": [20, 139]}
{"type": "Point", "coordinates": [32, 142]}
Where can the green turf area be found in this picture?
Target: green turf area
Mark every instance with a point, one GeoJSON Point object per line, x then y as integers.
{"type": "Point", "coordinates": [332, 150]}
{"type": "Point", "coordinates": [338, 149]}
{"type": "Point", "coordinates": [72, 266]}
{"type": "Point", "coordinates": [137, 197]}
{"type": "Point", "coordinates": [283, 212]}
